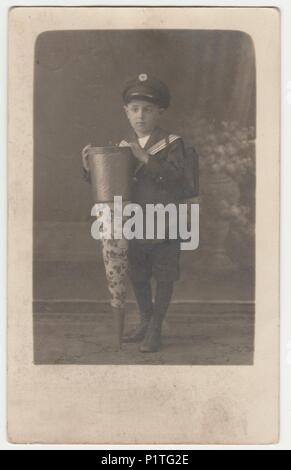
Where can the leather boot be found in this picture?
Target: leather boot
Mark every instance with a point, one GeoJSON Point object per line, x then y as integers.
{"type": "Point", "coordinates": [152, 340]}
{"type": "Point", "coordinates": [143, 294]}
{"type": "Point", "coordinates": [138, 333]}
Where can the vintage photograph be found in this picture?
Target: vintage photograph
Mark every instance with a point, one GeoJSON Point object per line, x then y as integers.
{"type": "Point", "coordinates": [150, 119]}
{"type": "Point", "coordinates": [143, 225]}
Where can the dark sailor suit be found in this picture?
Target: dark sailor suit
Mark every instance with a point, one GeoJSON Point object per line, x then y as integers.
{"type": "Point", "coordinates": [161, 180]}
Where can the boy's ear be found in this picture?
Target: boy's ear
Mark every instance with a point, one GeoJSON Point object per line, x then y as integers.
{"type": "Point", "coordinates": [125, 107]}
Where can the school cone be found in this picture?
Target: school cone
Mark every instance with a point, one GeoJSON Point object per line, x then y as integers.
{"type": "Point", "coordinates": [111, 171]}
{"type": "Point", "coordinates": [118, 318]}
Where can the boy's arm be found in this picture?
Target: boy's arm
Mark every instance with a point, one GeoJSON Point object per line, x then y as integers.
{"type": "Point", "coordinates": [86, 175]}
{"type": "Point", "coordinates": [171, 169]}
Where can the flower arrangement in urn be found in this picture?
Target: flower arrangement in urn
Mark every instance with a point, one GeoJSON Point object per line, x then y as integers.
{"type": "Point", "coordinates": [227, 174]}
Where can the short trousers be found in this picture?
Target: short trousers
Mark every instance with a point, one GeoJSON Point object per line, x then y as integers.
{"type": "Point", "coordinates": [157, 259]}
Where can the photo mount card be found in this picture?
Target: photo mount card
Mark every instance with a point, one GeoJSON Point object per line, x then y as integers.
{"type": "Point", "coordinates": [206, 369]}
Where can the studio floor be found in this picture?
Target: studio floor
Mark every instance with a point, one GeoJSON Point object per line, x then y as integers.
{"type": "Point", "coordinates": [211, 321]}
{"type": "Point", "coordinates": [202, 339]}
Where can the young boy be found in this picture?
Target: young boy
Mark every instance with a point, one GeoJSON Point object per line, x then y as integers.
{"type": "Point", "coordinates": [159, 178]}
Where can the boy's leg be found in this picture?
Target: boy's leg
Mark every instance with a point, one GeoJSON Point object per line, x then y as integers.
{"type": "Point", "coordinates": [140, 273]}
{"type": "Point", "coordinates": [165, 262]}
{"type": "Point", "coordinates": [163, 297]}
{"type": "Point", "coordinates": [143, 294]}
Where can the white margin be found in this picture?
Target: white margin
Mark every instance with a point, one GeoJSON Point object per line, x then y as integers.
{"type": "Point", "coordinates": [285, 7]}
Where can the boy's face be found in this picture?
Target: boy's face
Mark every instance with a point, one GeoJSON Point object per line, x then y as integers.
{"type": "Point", "coordinates": [143, 116]}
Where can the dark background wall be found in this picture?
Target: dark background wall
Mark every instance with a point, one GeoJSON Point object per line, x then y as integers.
{"type": "Point", "coordinates": [79, 77]}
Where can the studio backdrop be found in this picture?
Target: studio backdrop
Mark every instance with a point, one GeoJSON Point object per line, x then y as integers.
{"type": "Point", "coordinates": [78, 83]}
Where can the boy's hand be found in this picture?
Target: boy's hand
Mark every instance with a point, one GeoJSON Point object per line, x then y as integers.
{"type": "Point", "coordinates": [124, 143]}
{"type": "Point", "coordinates": [139, 153]}
{"type": "Point", "coordinates": [85, 155]}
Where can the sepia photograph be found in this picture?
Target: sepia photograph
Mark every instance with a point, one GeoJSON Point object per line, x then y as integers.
{"type": "Point", "coordinates": [143, 225]}
{"type": "Point", "coordinates": [154, 117]}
